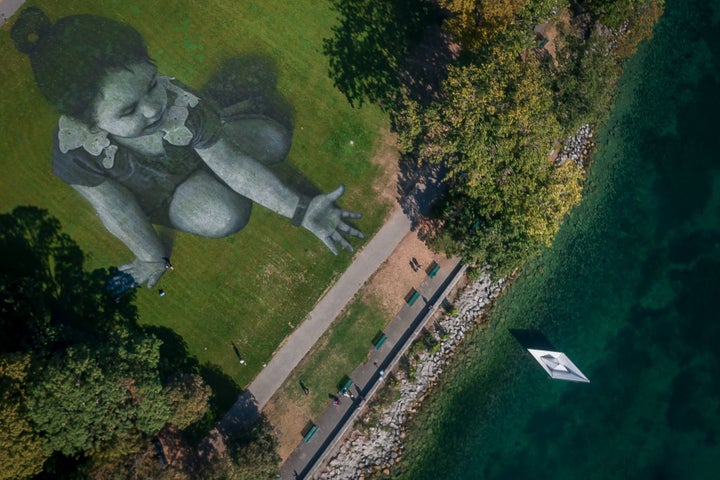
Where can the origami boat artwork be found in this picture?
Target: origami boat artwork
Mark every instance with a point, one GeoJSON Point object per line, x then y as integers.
{"type": "Point", "coordinates": [558, 365]}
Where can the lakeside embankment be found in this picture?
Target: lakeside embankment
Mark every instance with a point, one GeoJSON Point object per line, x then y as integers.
{"type": "Point", "coordinates": [380, 446]}
{"type": "Point", "coordinates": [628, 290]}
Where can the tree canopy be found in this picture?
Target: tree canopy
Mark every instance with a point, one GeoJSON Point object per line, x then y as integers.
{"type": "Point", "coordinates": [493, 130]}
{"type": "Point", "coordinates": [505, 108]}
{"type": "Point", "coordinates": [79, 376]}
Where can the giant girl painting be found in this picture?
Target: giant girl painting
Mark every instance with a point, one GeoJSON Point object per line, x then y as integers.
{"type": "Point", "coordinates": [146, 151]}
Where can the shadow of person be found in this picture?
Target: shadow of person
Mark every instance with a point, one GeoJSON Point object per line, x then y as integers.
{"type": "Point", "coordinates": [237, 353]}
{"type": "Point", "coordinates": [250, 81]}
{"type": "Point", "coordinates": [247, 85]}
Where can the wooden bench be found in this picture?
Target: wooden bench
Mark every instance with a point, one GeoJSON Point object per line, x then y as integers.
{"type": "Point", "coordinates": [310, 433]}
{"type": "Point", "coordinates": [434, 270]}
{"type": "Point", "coordinates": [379, 342]}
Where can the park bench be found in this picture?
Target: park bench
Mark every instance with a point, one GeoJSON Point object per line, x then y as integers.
{"type": "Point", "coordinates": [310, 433]}
{"type": "Point", "coordinates": [413, 298]}
{"type": "Point", "coordinates": [434, 270]}
{"type": "Point", "coordinates": [379, 341]}
{"type": "Point", "coordinates": [346, 388]}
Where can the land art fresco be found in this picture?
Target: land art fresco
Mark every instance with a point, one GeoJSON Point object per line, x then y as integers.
{"type": "Point", "coordinates": [151, 154]}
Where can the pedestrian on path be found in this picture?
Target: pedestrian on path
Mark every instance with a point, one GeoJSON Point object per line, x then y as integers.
{"type": "Point", "coordinates": [416, 265]}
{"type": "Point", "coordinates": [305, 389]}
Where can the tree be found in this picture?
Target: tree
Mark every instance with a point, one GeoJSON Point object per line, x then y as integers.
{"type": "Point", "coordinates": [22, 450]}
{"type": "Point", "coordinates": [187, 397]}
{"type": "Point", "coordinates": [474, 23]}
{"type": "Point", "coordinates": [84, 399]}
{"type": "Point", "coordinates": [368, 47]}
{"type": "Point", "coordinates": [80, 378]}
{"type": "Point", "coordinates": [478, 24]}
{"type": "Point", "coordinates": [251, 455]}
{"type": "Point", "coordinates": [493, 130]}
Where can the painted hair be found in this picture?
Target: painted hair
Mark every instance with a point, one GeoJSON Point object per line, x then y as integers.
{"type": "Point", "coordinates": [71, 57]}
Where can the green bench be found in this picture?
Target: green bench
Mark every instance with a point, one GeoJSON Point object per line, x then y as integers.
{"type": "Point", "coordinates": [379, 342]}
{"type": "Point", "coordinates": [310, 433]}
{"type": "Point", "coordinates": [346, 388]}
{"type": "Point", "coordinates": [413, 298]}
{"type": "Point", "coordinates": [434, 270]}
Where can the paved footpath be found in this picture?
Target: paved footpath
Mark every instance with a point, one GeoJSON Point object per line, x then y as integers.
{"type": "Point", "coordinates": [299, 343]}
{"type": "Point", "coordinates": [8, 9]}
{"type": "Point", "coordinates": [304, 337]}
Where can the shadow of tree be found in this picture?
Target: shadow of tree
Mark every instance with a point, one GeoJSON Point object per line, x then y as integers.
{"type": "Point", "coordinates": [225, 390]}
{"type": "Point", "coordinates": [250, 80]}
{"type": "Point", "coordinates": [419, 186]}
{"type": "Point", "coordinates": [381, 47]}
{"type": "Point", "coordinates": [247, 85]}
{"type": "Point", "coordinates": [389, 52]}
{"type": "Point", "coordinates": [174, 356]}
{"type": "Point", "coordinates": [43, 284]}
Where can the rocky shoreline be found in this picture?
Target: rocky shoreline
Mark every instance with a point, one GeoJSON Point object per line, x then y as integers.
{"type": "Point", "coordinates": [377, 448]}
{"type": "Point", "coordinates": [577, 148]}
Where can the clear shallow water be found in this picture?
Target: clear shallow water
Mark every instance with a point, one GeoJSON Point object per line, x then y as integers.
{"type": "Point", "coordinates": [631, 291]}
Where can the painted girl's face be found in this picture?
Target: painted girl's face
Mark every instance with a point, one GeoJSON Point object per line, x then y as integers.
{"type": "Point", "coordinates": [131, 102]}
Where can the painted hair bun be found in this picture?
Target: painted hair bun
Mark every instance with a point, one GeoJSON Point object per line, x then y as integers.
{"type": "Point", "coordinates": [29, 29]}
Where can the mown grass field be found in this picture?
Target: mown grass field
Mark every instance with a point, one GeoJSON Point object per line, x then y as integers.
{"type": "Point", "coordinates": [252, 288]}
{"type": "Point", "coordinates": [344, 346]}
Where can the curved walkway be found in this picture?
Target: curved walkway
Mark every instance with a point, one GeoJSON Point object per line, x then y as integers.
{"type": "Point", "coordinates": [299, 343]}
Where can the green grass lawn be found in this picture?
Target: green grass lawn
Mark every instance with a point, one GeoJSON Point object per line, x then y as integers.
{"type": "Point", "coordinates": [252, 288]}
{"type": "Point", "coordinates": [336, 355]}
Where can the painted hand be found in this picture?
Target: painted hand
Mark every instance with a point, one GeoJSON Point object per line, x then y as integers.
{"type": "Point", "coordinates": [326, 221]}
{"type": "Point", "coordinates": [145, 272]}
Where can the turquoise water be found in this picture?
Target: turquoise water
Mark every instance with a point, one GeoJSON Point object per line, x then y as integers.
{"type": "Point", "coordinates": [630, 290]}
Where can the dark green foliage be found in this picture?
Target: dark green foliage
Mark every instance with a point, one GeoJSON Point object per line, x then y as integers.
{"type": "Point", "coordinates": [22, 450]}
{"type": "Point", "coordinates": [493, 130]}
{"type": "Point", "coordinates": [187, 397]}
{"type": "Point", "coordinates": [609, 12]}
{"type": "Point", "coordinates": [80, 377]}
{"type": "Point", "coordinates": [251, 455]}
{"type": "Point", "coordinates": [84, 398]}
{"type": "Point", "coordinates": [584, 81]}
{"type": "Point", "coordinates": [369, 46]}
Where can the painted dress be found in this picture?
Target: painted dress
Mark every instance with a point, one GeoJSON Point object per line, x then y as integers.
{"type": "Point", "coordinates": [84, 157]}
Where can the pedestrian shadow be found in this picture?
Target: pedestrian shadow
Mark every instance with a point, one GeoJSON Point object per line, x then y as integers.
{"type": "Point", "coordinates": [240, 359]}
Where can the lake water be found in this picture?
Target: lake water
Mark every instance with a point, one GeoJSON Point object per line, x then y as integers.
{"type": "Point", "coordinates": [630, 291]}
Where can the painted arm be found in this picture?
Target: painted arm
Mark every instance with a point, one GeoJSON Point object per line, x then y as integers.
{"type": "Point", "coordinates": [251, 179]}
{"type": "Point", "coordinates": [122, 216]}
